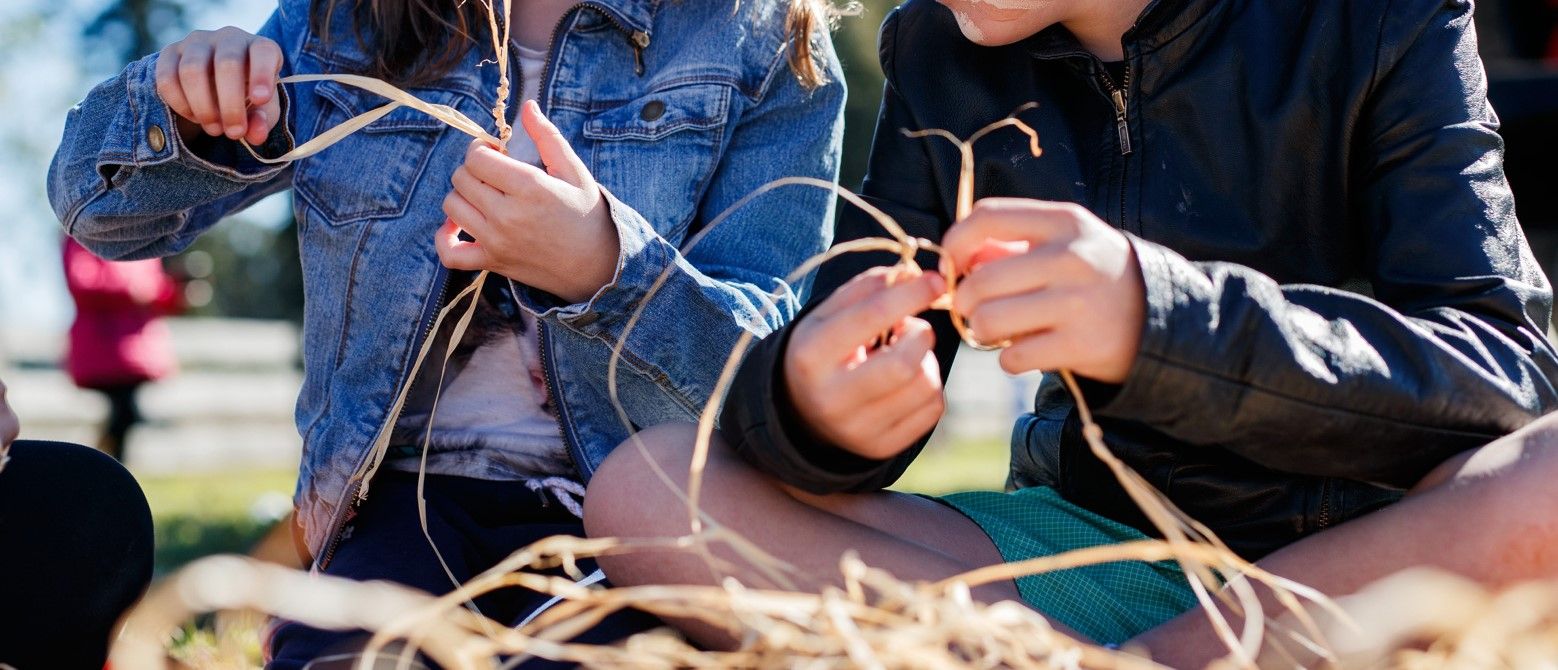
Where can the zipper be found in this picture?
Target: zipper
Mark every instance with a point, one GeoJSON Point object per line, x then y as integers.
{"type": "Point", "coordinates": [346, 509]}
{"type": "Point", "coordinates": [543, 339]}
{"type": "Point", "coordinates": [1117, 95]}
{"type": "Point", "coordinates": [1323, 519]}
{"type": "Point", "coordinates": [638, 39]}
{"type": "Point", "coordinates": [544, 336]}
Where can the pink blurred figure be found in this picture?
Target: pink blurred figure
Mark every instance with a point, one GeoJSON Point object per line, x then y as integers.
{"type": "Point", "coordinates": [119, 341]}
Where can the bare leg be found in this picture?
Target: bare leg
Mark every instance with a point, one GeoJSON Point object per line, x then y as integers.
{"type": "Point", "coordinates": [1491, 515]}
{"type": "Point", "coordinates": [911, 537]}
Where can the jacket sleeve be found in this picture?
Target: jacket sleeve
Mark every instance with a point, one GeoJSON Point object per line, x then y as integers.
{"type": "Point", "coordinates": [759, 419]}
{"type": "Point", "coordinates": [126, 186]}
{"type": "Point", "coordinates": [728, 279]}
{"type": "Point", "coordinates": [1449, 355]}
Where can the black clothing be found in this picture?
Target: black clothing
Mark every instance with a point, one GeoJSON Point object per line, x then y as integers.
{"type": "Point", "coordinates": [123, 414]}
{"type": "Point", "coordinates": [476, 523]}
{"type": "Point", "coordinates": [1338, 294]}
{"type": "Point", "coordinates": [75, 553]}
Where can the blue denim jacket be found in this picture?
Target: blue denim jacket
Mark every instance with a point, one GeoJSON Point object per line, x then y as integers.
{"type": "Point", "coordinates": [734, 117]}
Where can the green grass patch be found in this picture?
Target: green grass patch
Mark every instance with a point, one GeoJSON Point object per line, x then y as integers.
{"type": "Point", "coordinates": [216, 494]}
{"type": "Point", "coordinates": [203, 514]}
{"type": "Point", "coordinates": [965, 465]}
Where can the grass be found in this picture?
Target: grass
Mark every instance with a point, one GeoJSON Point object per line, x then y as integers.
{"type": "Point", "coordinates": [202, 514]}
{"type": "Point", "coordinates": [968, 465]}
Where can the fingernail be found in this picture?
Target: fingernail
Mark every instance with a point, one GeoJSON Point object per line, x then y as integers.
{"type": "Point", "coordinates": [235, 132]}
{"type": "Point", "coordinates": [259, 92]}
{"type": "Point", "coordinates": [260, 116]}
{"type": "Point", "coordinates": [213, 129]}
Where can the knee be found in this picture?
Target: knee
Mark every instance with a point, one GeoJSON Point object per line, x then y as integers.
{"type": "Point", "coordinates": [80, 488]}
{"type": "Point", "coordinates": [627, 495]}
{"type": "Point", "coordinates": [1526, 533]}
{"type": "Point", "coordinates": [1513, 479]}
{"type": "Point", "coordinates": [78, 514]}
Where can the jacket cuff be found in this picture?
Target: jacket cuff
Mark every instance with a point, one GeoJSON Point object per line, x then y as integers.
{"type": "Point", "coordinates": [145, 134]}
{"type": "Point", "coordinates": [642, 258]}
{"type": "Point", "coordinates": [762, 424]}
{"type": "Point", "coordinates": [1142, 388]}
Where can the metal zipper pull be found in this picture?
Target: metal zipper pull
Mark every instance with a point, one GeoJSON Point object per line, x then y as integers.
{"type": "Point", "coordinates": [640, 41]}
{"type": "Point", "coordinates": [1118, 97]}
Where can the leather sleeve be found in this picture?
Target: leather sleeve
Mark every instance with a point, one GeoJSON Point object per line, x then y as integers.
{"type": "Point", "coordinates": [1449, 355]}
{"type": "Point", "coordinates": [758, 419]}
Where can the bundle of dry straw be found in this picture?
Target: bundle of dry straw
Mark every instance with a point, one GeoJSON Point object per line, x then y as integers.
{"type": "Point", "coordinates": [873, 620]}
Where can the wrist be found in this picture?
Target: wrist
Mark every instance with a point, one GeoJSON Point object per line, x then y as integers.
{"type": "Point", "coordinates": [603, 253]}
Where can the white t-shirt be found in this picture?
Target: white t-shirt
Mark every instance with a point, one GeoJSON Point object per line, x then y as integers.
{"type": "Point", "coordinates": [532, 64]}
{"type": "Point", "coordinates": [495, 419]}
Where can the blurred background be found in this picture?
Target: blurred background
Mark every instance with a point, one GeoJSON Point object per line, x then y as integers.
{"type": "Point", "coordinates": [217, 449]}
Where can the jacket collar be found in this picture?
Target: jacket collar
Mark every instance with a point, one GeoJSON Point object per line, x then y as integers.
{"type": "Point", "coordinates": [1160, 22]}
{"type": "Point", "coordinates": [346, 52]}
{"type": "Point", "coordinates": [634, 15]}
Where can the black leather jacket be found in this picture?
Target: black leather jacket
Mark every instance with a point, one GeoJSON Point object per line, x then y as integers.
{"type": "Point", "coordinates": [1339, 297]}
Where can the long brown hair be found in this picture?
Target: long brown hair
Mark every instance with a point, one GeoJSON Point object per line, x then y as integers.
{"type": "Point", "coordinates": [416, 41]}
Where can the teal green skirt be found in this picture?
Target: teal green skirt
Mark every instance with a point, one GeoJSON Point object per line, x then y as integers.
{"type": "Point", "coordinates": [1108, 602]}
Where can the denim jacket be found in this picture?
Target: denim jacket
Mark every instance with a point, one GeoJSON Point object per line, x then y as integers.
{"type": "Point", "coordinates": [679, 109]}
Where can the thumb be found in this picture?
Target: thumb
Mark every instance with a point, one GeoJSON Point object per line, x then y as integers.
{"type": "Point", "coordinates": [556, 154]}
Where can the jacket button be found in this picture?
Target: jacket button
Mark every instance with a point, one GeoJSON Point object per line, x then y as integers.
{"type": "Point", "coordinates": [652, 111]}
{"type": "Point", "coordinates": [156, 139]}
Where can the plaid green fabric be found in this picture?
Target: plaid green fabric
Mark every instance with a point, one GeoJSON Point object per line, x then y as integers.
{"type": "Point", "coordinates": [1109, 602]}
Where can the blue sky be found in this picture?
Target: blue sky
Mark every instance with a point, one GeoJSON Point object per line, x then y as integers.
{"type": "Point", "coordinates": [41, 76]}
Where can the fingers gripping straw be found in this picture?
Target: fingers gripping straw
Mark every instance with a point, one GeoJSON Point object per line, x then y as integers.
{"type": "Point", "coordinates": [870, 622]}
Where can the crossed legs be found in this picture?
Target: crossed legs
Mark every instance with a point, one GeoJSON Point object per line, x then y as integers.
{"type": "Point", "coordinates": [909, 536]}
{"type": "Point", "coordinates": [1491, 514]}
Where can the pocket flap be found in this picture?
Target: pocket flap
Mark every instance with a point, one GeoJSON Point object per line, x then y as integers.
{"type": "Point", "coordinates": [355, 101]}
{"type": "Point", "coordinates": [664, 112]}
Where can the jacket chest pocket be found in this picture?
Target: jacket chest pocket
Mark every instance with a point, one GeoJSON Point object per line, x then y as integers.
{"type": "Point", "coordinates": [659, 151]}
{"type": "Point", "coordinates": [373, 173]}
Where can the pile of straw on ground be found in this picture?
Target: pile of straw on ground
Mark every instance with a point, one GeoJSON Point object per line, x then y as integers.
{"type": "Point", "coordinates": [1413, 620]}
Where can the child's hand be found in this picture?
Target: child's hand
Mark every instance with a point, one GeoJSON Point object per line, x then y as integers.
{"type": "Point", "coordinates": [223, 83]}
{"type": "Point", "coordinates": [874, 402]}
{"type": "Point", "coordinates": [550, 230]}
{"type": "Point", "coordinates": [10, 426]}
{"type": "Point", "coordinates": [1051, 277]}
